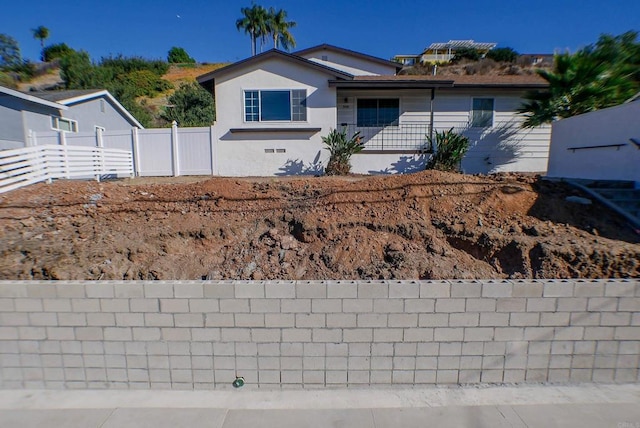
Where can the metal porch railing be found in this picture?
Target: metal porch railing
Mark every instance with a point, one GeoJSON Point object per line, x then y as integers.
{"type": "Point", "coordinates": [402, 136]}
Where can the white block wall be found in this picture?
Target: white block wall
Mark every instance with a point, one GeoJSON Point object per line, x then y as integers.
{"type": "Point", "coordinates": [614, 125]}
{"type": "Point", "coordinates": [316, 334]}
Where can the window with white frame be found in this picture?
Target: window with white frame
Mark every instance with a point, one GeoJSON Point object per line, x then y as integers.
{"type": "Point", "coordinates": [282, 105]}
{"type": "Point", "coordinates": [378, 112]}
{"type": "Point", "coordinates": [482, 113]}
{"type": "Point", "coordinates": [62, 124]}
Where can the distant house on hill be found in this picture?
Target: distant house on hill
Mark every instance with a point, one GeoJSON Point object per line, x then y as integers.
{"type": "Point", "coordinates": [539, 60]}
{"type": "Point", "coordinates": [24, 113]}
{"type": "Point", "coordinates": [273, 109]}
{"type": "Point", "coordinates": [443, 52]}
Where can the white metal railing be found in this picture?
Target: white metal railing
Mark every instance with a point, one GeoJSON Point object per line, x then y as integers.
{"type": "Point", "coordinates": [397, 136]}
{"type": "Point", "coordinates": [29, 165]}
{"type": "Point", "coordinates": [443, 57]}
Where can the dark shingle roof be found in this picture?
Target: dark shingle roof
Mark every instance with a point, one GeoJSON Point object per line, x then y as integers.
{"type": "Point", "coordinates": [56, 96]}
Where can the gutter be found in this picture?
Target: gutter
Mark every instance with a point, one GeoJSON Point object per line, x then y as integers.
{"type": "Point", "coordinates": [390, 84]}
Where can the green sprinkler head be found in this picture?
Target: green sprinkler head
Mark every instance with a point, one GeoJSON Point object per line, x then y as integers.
{"type": "Point", "coordinates": [239, 382]}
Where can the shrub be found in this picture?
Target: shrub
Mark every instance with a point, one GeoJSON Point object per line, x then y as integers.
{"type": "Point", "coordinates": [122, 65]}
{"type": "Point", "coordinates": [450, 148]}
{"type": "Point", "coordinates": [502, 55]}
{"type": "Point", "coordinates": [341, 149]}
{"type": "Point", "coordinates": [7, 81]}
{"type": "Point", "coordinates": [482, 66]}
{"type": "Point", "coordinates": [466, 53]}
{"type": "Point", "coordinates": [139, 110]}
{"type": "Point", "coordinates": [77, 72]}
{"type": "Point", "coordinates": [22, 71]}
{"type": "Point", "coordinates": [145, 82]}
{"type": "Point", "coordinates": [177, 55]}
{"type": "Point", "coordinates": [191, 105]}
{"type": "Point", "coordinates": [59, 50]}
{"type": "Point", "coordinates": [9, 51]}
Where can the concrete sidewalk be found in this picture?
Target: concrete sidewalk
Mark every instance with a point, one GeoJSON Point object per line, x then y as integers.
{"type": "Point", "coordinates": [615, 406]}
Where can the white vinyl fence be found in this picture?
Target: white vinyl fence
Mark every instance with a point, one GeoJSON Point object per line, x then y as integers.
{"type": "Point", "coordinates": [156, 152]}
{"type": "Point", "coordinates": [29, 165]}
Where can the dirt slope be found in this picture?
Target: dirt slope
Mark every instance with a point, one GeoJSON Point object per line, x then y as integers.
{"type": "Point", "coordinates": [425, 225]}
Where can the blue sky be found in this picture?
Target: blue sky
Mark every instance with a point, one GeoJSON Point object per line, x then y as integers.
{"type": "Point", "coordinates": [206, 28]}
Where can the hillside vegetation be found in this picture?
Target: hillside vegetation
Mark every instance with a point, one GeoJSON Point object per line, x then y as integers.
{"type": "Point", "coordinates": [152, 104]}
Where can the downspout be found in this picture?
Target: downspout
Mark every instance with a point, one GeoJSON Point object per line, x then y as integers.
{"type": "Point", "coordinates": [433, 95]}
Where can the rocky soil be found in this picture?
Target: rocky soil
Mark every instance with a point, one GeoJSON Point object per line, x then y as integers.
{"type": "Point", "coordinates": [429, 225]}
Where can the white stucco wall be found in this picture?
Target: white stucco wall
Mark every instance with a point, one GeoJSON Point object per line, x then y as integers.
{"type": "Point", "coordinates": [615, 125]}
{"type": "Point", "coordinates": [350, 64]}
{"type": "Point", "coordinates": [388, 163]}
{"type": "Point", "coordinates": [273, 152]}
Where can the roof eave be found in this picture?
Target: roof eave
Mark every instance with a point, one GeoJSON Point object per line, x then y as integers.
{"type": "Point", "coordinates": [390, 84]}
{"type": "Point", "coordinates": [502, 85]}
{"type": "Point", "coordinates": [266, 55]}
{"type": "Point", "coordinates": [84, 97]}
{"type": "Point", "coordinates": [32, 99]}
{"type": "Point", "coordinates": [350, 52]}
{"type": "Point", "coordinates": [110, 97]}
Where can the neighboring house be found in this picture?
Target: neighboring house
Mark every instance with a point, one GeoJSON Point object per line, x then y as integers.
{"type": "Point", "coordinates": [540, 60]}
{"type": "Point", "coordinates": [23, 115]}
{"type": "Point", "coordinates": [273, 108]}
{"type": "Point", "coordinates": [443, 52]}
{"type": "Point", "coordinates": [407, 60]}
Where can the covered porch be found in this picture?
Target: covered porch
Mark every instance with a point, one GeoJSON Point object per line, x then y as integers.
{"type": "Point", "coordinates": [392, 115]}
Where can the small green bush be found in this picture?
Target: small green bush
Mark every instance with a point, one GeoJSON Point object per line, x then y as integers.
{"type": "Point", "coordinates": [124, 65]}
{"type": "Point", "coordinates": [58, 50]}
{"type": "Point", "coordinates": [503, 55]}
{"type": "Point", "coordinates": [7, 81]}
{"type": "Point", "coordinates": [178, 55]}
{"type": "Point", "coordinates": [466, 53]}
{"type": "Point", "coordinates": [191, 105]}
{"type": "Point", "coordinates": [450, 148]}
{"type": "Point", "coordinates": [145, 82]}
{"type": "Point", "coordinates": [22, 71]}
{"type": "Point", "coordinates": [341, 149]}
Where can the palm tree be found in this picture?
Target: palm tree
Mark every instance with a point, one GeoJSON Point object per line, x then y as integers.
{"type": "Point", "coordinates": [41, 33]}
{"type": "Point", "coordinates": [279, 29]}
{"type": "Point", "coordinates": [598, 76]}
{"type": "Point", "coordinates": [578, 84]}
{"type": "Point", "coordinates": [254, 23]}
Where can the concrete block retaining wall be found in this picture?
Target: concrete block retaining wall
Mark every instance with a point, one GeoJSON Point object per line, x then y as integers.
{"type": "Point", "coordinates": [313, 334]}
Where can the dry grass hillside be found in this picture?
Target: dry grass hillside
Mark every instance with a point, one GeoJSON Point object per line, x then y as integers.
{"type": "Point", "coordinates": [484, 66]}
{"type": "Point", "coordinates": [177, 75]}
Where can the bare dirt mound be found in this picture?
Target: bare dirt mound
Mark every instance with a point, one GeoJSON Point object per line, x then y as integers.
{"type": "Point", "coordinates": [428, 225]}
